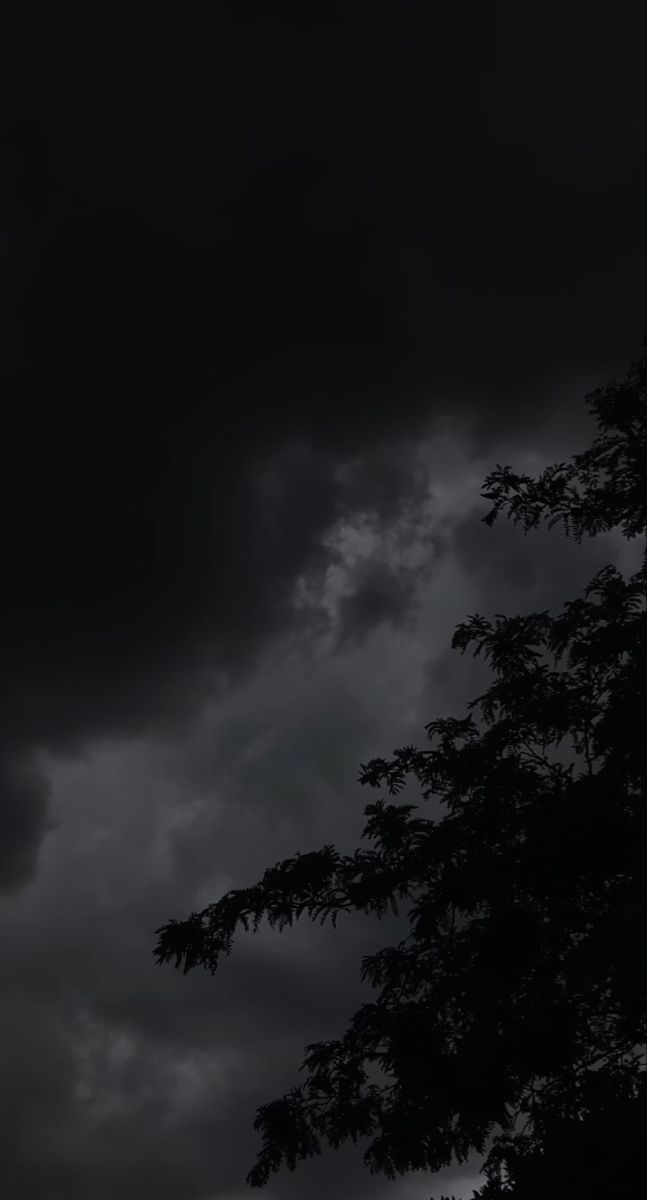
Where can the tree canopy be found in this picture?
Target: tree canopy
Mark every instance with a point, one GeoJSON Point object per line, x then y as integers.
{"type": "Point", "coordinates": [510, 1022]}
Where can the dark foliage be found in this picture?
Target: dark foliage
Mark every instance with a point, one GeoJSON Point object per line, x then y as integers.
{"type": "Point", "coordinates": [511, 1021]}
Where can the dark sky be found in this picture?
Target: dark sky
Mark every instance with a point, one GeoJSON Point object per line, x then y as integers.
{"type": "Point", "coordinates": [279, 286]}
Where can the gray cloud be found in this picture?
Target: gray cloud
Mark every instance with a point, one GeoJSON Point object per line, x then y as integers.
{"type": "Point", "coordinates": [227, 312]}
{"type": "Point", "coordinates": [169, 1069]}
{"type": "Point", "coordinates": [262, 338]}
{"type": "Point", "coordinates": [126, 1079]}
{"type": "Point", "coordinates": [23, 821]}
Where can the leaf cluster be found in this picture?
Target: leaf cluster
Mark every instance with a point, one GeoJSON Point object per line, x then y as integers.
{"type": "Point", "coordinates": [510, 1021]}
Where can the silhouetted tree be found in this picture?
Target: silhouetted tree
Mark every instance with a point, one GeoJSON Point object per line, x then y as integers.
{"type": "Point", "coordinates": [511, 1021]}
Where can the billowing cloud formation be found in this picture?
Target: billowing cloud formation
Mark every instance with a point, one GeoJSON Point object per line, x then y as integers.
{"type": "Point", "coordinates": [278, 287]}
{"type": "Point", "coordinates": [134, 1081]}
{"type": "Point", "coordinates": [228, 267]}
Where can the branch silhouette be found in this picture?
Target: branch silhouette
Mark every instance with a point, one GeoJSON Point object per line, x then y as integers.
{"type": "Point", "coordinates": [511, 1021]}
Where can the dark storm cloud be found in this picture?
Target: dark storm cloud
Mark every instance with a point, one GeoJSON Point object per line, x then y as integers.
{"type": "Point", "coordinates": [23, 821]}
{"type": "Point", "coordinates": [248, 261]}
{"type": "Point", "coordinates": [540, 569]}
{"type": "Point", "coordinates": [127, 1080]}
{"type": "Point", "coordinates": [382, 594]}
{"type": "Point", "coordinates": [223, 233]}
{"type": "Point", "coordinates": [143, 1082]}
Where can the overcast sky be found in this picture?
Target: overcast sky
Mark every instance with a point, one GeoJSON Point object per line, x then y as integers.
{"type": "Point", "coordinates": [280, 284]}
